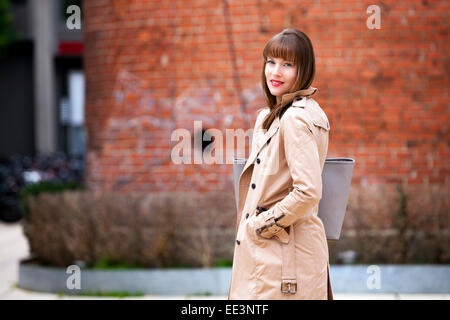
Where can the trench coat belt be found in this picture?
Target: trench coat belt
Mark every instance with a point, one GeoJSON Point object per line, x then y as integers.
{"type": "Point", "coordinates": [288, 272]}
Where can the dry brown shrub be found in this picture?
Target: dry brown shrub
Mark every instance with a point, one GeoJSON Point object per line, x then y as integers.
{"type": "Point", "coordinates": [384, 224]}
{"type": "Point", "coordinates": [396, 224]}
{"type": "Point", "coordinates": [152, 230]}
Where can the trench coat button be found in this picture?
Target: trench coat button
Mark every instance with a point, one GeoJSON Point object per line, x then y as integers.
{"type": "Point", "coordinates": [253, 186]}
{"type": "Point", "coordinates": [258, 160]}
{"type": "Point", "coordinates": [238, 242]}
{"type": "Point", "coordinates": [246, 216]}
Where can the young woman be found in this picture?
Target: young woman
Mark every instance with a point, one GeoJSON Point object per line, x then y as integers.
{"type": "Point", "coordinates": [281, 249]}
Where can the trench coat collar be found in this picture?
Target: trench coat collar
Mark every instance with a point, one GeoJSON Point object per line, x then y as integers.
{"type": "Point", "coordinates": [289, 97]}
{"type": "Point", "coordinates": [286, 98]}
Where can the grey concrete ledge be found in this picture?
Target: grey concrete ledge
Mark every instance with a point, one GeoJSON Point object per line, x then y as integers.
{"type": "Point", "coordinates": [392, 278]}
{"type": "Point", "coordinates": [147, 281]}
{"type": "Point", "coordinates": [344, 279]}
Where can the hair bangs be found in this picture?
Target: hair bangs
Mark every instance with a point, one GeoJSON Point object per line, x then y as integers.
{"type": "Point", "coordinates": [283, 47]}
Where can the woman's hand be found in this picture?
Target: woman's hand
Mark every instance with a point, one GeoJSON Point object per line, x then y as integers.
{"type": "Point", "coordinates": [265, 225]}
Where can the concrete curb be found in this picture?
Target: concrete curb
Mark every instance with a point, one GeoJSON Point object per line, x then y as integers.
{"type": "Point", "coordinates": [355, 279]}
{"type": "Point", "coordinates": [155, 281]}
{"type": "Point", "coordinates": [390, 278]}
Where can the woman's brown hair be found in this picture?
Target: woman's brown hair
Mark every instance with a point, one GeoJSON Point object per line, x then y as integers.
{"type": "Point", "coordinates": [291, 45]}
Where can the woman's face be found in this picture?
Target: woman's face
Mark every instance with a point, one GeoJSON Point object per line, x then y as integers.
{"type": "Point", "coordinates": [280, 75]}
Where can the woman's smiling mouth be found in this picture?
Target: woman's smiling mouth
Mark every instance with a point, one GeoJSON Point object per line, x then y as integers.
{"type": "Point", "coordinates": [276, 83]}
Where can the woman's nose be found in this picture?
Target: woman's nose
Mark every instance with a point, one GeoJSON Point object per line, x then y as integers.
{"type": "Point", "coordinates": [277, 69]}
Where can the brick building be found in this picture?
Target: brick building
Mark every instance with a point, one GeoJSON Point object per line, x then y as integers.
{"type": "Point", "coordinates": [154, 66]}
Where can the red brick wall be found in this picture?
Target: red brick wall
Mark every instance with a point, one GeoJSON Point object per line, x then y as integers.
{"type": "Point", "coordinates": [154, 66]}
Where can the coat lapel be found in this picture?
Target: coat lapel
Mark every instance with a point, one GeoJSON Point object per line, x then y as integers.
{"type": "Point", "coordinates": [261, 142]}
{"type": "Point", "coordinates": [244, 178]}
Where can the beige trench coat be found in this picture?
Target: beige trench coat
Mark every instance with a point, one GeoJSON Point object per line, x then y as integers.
{"type": "Point", "coordinates": [282, 178]}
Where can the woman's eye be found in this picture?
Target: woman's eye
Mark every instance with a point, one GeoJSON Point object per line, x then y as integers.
{"type": "Point", "coordinates": [287, 64]}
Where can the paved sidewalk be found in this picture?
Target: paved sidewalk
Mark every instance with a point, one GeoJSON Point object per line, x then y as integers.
{"type": "Point", "coordinates": [20, 294]}
{"type": "Point", "coordinates": [14, 247]}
